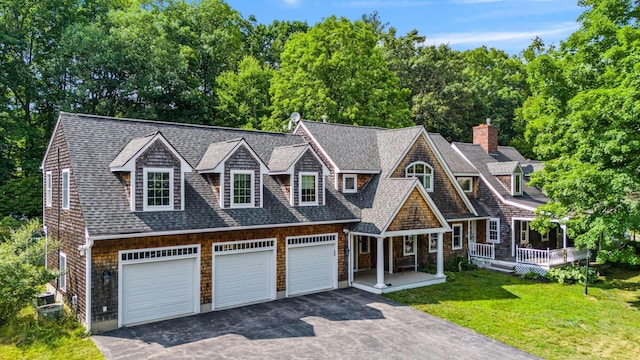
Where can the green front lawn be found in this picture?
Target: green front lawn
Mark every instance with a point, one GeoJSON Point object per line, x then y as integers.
{"type": "Point", "coordinates": [550, 320]}
{"type": "Point", "coordinates": [26, 338]}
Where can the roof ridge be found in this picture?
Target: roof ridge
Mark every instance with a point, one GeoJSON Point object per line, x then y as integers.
{"type": "Point", "coordinates": [171, 123]}
{"type": "Point", "coordinates": [345, 125]}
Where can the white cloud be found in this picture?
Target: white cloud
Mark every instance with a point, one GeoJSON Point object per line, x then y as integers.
{"type": "Point", "coordinates": [556, 32]}
{"type": "Point", "coordinates": [292, 3]}
{"type": "Point", "coordinates": [367, 4]}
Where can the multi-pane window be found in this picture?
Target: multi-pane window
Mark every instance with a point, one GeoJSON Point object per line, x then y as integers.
{"type": "Point", "coordinates": [349, 183]}
{"type": "Point", "coordinates": [524, 232]}
{"type": "Point", "coordinates": [433, 243]}
{"type": "Point", "coordinates": [241, 188]}
{"type": "Point", "coordinates": [63, 272]}
{"type": "Point", "coordinates": [456, 242]}
{"type": "Point", "coordinates": [423, 172]}
{"type": "Point", "coordinates": [364, 244]}
{"type": "Point", "coordinates": [48, 189]}
{"type": "Point", "coordinates": [493, 231]}
{"type": "Point", "coordinates": [517, 183]}
{"type": "Point", "coordinates": [158, 189]}
{"type": "Point", "coordinates": [65, 188]}
{"type": "Point", "coordinates": [409, 247]}
{"type": "Point", "coordinates": [308, 189]}
{"type": "Point", "coordinates": [466, 183]}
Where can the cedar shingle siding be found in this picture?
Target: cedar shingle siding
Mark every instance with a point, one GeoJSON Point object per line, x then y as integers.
{"type": "Point", "coordinates": [158, 156]}
{"type": "Point", "coordinates": [241, 160]}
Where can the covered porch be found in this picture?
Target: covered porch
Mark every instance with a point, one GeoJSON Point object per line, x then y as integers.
{"type": "Point", "coordinates": [384, 264]}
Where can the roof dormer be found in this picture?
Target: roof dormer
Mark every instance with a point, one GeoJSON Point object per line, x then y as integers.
{"type": "Point", "coordinates": [152, 172]}
{"type": "Point", "coordinates": [510, 174]}
{"type": "Point", "coordinates": [301, 173]}
{"type": "Point", "coordinates": [235, 173]}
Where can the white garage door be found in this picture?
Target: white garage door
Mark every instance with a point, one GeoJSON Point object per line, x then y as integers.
{"type": "Point", "coordinates": [159, 283]}
{"type": "Point", "coordinates": [311, 263]}
{"type": "Point", "coordinates": [243, 273]}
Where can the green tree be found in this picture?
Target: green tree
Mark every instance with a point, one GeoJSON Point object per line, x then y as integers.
{"type": "Point", "coordinates": [337, 69]}
{"type": "Point", "coordinates": [266, 42]}
{"type": "Point", "coordinates": [583, 119]}
{"type": "Point", "coordinates": [22, 272]}
{"type": "Point", "coordinates": [243, 96]}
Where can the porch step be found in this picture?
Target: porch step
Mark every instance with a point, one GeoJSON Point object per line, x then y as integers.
{"type": "Point", "coordinates": [508, 269]}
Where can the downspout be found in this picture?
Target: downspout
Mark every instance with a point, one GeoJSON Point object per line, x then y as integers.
{"type": "Point", "coordinates": [87, 247]}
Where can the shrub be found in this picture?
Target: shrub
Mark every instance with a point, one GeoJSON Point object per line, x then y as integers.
{"type": "Point", "coordinates": [459, 263]}
{"type": "Point", "coordinates": [628, 255]}
{"type": "Point", "coordinates": [532, 275]}
{"type": "Point", "coordinates": [22, 271]}
{"type": "Point", "coordinates": [571, 274]}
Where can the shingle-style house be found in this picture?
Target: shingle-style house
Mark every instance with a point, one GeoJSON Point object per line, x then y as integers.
{"type": "Point", "coordinates": [497, 178]}
{"type": "Point", "coordinates": [157, 220]}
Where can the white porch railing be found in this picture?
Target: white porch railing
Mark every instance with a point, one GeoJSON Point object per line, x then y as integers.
{"type": "Point", "coordinates": [549, 257]}
{"type": "Point", "coordinates": [485, 251]}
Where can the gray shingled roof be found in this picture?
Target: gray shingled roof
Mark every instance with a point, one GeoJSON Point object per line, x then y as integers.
{"type": "Point", "coordinates": [94, 142]}
{"type": "Point", "coordinates": [215, 153]}
{"type": "Point", "coordinates": [350, 147]}
{"type": "Point", "coordinates": [131, 149]}
{"type": "Point", "coordinates": [502, 168]}
{"type": "Point", "coordinates": [456, 163]}
{"type": "Point", "coordinates": [532, 196]}
{"type": "Point", "coordinates": [392, 144]}
{"type": "Point", "coordinates": [283, 157]}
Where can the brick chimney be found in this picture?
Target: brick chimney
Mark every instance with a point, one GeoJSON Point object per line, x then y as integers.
{"type": "Point", "coordinates": [486, 135]}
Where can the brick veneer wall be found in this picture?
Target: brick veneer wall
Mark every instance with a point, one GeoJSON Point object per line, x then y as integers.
{"type": "Point", "coordinates": [70, 233]}
{"type": "Point", "coordinates": [105, 257]}
{"type": "Point", "coordinates": [487, 136]}
{"type": "Point", "coordinates": [157, 155]}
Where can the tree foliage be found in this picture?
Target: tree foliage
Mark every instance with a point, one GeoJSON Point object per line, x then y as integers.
{"type": "Point", "coordinates": [22, 272]}
{"type": "Point", "coordinates": [583, 119]}
{"type": "Point", "coordinates": [337, 69]}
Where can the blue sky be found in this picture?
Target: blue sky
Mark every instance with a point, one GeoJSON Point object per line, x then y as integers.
{"type": "Point", "coordinates": [509, 25]}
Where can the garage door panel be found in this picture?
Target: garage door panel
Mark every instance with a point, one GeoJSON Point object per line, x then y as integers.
{"type": "Point", "coordinates": [158, 289]}
{"type": "Point", "coordinates": [311, 268]}
{"type": "Point", "coordinates": [243, 278]}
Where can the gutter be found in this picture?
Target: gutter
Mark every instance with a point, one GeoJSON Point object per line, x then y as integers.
{"type": "Point", "coordinates": [87, 248]}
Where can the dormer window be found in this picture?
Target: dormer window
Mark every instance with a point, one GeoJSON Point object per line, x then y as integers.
{"type": "Point", "coordinates": [242, 188]}
{"type": "Point", "coordinates": [466, 183]}
{"type": "Point", "coordinates": [350, 183]}
{"type": "Point", "coordinates": [158, 189]}
{"type": "Point", "coordinates": [308, 188]}
{"type": "Point", "coordinates": [517, 183]}
{"type": "Point", "coordinates": [422, 171]}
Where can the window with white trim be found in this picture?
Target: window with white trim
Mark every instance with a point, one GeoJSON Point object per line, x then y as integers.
{"type": "Point", "coordinates": [308, 192]}
{"type": "Point", "coordinates": [433, 243]}
{"type": "Point", "coordinates": [466, 183]}
{"type": "Point", "coordinates": [62, 284]}
{"type": "Point", "coordinates": [524, 232]}
{"type": "Point", "coordinates": [516, 186]}
{"type": "Point", "coordinates": [65, 188]}
{"type": "Point", "coordinates": [48, 186]}
{"type": "Point", "coordinates": [422, 171]}
{"type": "Point", "coordinates": [242, 194]}
{"type": "Point", "coordinates": [456, 237]}
{"type": "Point", "coordinates": [350, 183]}
{"type": "Point", "coordinates": [493, 230]}
{"type": "Point", "coordinates": [409, 245]}
{"type": "Point", "coordinates": [364, 244]}
{"type": "Point", "coordinates": [158, 189]}
{"type": "Point", "coordinates": [544, 237]}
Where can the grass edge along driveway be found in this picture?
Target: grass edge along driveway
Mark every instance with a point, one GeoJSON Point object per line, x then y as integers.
{"type": "Point", "coordinates": [550, 320]}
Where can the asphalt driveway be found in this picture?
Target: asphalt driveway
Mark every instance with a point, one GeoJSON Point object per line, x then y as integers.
{"type": "Point", "coordinates": [340, 324]}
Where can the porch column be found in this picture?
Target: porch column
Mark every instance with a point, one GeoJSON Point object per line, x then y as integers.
{"type": "Point", "coordinates": [564, 235]}
{"type": "Point", "coordinates": [380, 264]}
{"type": "Point", "coordinates": [440, 257]}
{"type": "Point", "coordinates": [391, 255]}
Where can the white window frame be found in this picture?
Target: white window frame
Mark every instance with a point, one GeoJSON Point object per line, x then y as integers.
{"type": "Point", "coordinates": [145, 204]}
{"type": "Point", "coordinates": [64, 180]}
{"type": "Point", "coordinates": [412, 239]}
{"type": "Point", "coordinates": [48, 186]}
{"type": "Point", "coordinates": [307, 203]}
{"type": "Point", "coordinates": [459, 236]}
{"type": "Point", "coordinates": [62, 266]}
{"type": "Point", "coordinates": [413, 174]}
{"type": "Point", "coordinates": [544, 237]}
{"type": "Point", "coordinates": [465, 179]}
{"type": "Point", "coordinates": [524, 232]}
{"type": "Point", "coordinates": [347, 190]}
{"type": "Point", "coordinates": [434, 248]}
{"type": "Point", "coordinates": [232, 202]}
{"type": "Point", "coordinates": [517, 178]}
{"type": "Point", "coordinates": [497, 231]}
{"type": "Point", "coordinates": [361, 241]}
